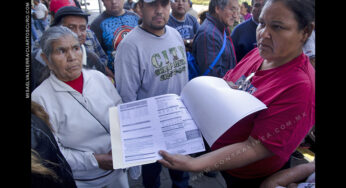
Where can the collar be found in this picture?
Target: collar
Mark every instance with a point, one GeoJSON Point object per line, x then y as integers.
{"type": "Point", "coordinates": [171, 15]}
{"type": "Point", "coordinates": [143, 29]}
{"type": "Point", "coordinates": [254, 20]}
{"type": "Point", "coordinates": [111, 15]}
{"type": "Point", "coordinates": [84, 57]}
{"type": "Point", "coordinates": [61, 86]}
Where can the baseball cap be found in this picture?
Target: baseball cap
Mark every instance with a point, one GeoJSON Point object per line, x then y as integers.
{"type": "Point", "coordinates": [150, 1]}
{"type": "Point", "coordinates": [66, 11]}
{"type": "Point", "coordinates": [55, 5]}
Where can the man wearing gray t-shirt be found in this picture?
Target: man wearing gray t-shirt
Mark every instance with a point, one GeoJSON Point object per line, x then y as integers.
{"type": "Point", "coordinates": [151, 61]}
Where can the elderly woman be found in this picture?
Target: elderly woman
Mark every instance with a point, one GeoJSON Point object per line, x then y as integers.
{"type": "Point", "coordinates": [77, 102]}
{"type": "Point", "coordinates": [281, 76]}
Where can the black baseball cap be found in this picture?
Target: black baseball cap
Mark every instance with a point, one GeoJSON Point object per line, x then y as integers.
{"type": "Point", "coordinates": [67, 11]}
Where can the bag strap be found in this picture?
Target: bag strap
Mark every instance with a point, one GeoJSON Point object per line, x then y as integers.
{"type": "Point", "coordinates": [190, 57]}
{"type": "Point", "coordinates": [91, 179]}
{"type": "Point", "coordinates": [90, 113]}
{"type": "Point", "coordinates": [218, 55]}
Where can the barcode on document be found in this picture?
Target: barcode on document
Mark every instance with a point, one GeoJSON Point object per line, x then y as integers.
{"type": "Point", "coordinates": [192, 134]}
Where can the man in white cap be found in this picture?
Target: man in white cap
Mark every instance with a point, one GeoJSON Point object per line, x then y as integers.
{"type": "Point", "coordinates": [151, 61]}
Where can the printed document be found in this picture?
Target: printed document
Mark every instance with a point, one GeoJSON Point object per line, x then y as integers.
{"type": "Point", "coordinates": [207, 106]}
{"type": "Point", "coordinates": [147, 126]}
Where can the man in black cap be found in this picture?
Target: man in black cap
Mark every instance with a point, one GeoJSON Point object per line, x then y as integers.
{"type": "Point", "coordinates": [75, 19]}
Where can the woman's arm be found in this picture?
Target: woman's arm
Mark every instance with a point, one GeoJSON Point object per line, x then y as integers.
{"type": "Point", "coordinates": [226, 158]}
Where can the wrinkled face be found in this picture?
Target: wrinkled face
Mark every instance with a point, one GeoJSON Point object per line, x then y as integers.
{"type": "Point", "coordinates": [228, 14]}
{"type": "Point", "coordinates": [155, 15]}
{"type": "Point", "coordinates": [78, 25]}
{"type": "Point", "coordinates": [66, 58]}
{"type": "Point", "coordinates": [278, 36]}
{"type": "Point", "coordinates": [180, 7]}
{"type": "Point", "coordinates": [257, 8]}
{"type": "Point", "coordinates": [114, 7]}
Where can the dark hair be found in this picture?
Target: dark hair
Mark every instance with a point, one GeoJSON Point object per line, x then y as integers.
{"type": "Point", "coordinates": [202, 16]}
{"type": "Point", "coordinates": [247, 6]}
{"type": "Point", "coordinates": [217, 3]}
{"type": "Point", "coordinates": [304, 10]}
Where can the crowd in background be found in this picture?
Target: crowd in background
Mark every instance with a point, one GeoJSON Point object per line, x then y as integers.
{"type": "Point", "coordinates": [135, 50]}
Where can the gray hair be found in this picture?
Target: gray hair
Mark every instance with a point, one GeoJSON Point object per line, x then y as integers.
{"type": "Point", "coordinates": [217, 3]}
{"type": "Point", "coordinates": [52, 34]}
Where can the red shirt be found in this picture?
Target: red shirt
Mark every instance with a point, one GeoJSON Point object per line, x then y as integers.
{"type": "Point", "coordinates": [289, 93]}
{"type": "Point", "coordinates": [77, 83]}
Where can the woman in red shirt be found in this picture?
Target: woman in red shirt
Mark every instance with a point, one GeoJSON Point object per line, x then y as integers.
{"type": "Point", "coordinates": [284, 80]}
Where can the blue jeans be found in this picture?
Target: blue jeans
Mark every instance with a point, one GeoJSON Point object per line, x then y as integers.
{"type": "Point", "coordinates": [151, 176]}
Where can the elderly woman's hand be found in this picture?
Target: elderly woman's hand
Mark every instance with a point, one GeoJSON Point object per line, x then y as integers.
{"type": "Point", "coordinates": [105, 161]}
{"type": "Point", "coordinates": [177, 161]}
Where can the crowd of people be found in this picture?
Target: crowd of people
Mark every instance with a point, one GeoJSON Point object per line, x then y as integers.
{"type": "Point", "coordinates": [135, 50]}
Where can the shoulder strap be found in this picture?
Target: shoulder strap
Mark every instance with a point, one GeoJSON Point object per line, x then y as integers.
{"type": "Point", "coordinates": [90, 113]}
{"type": "Point", "coordinates": [218, 55]}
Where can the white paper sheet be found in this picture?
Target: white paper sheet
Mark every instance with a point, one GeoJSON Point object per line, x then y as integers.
{"type": "Point", "coordinates": [215, 106]}
{"type": "Point", "coordinates": [147, 126]}
{"type": "Point", "coordinates": [117, 150]}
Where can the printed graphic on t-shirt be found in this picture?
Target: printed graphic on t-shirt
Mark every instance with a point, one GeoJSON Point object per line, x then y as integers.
{"type": "Point", "coordinates": [246, 86]}
{"type": "Point", "coordinates": [169, 62]}
{"type": "Point", "coordinates": [186, 31]}
{"type": "Point", "coordinates": [119, 34]}
{"type": "Point", "coordinates": [114, 29]}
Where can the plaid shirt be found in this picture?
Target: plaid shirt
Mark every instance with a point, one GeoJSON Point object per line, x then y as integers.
{"type": "Point", "coordinates": [92, 44]}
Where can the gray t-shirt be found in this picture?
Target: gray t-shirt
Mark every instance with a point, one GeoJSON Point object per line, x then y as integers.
{"type": "Point", "coordinates": [146, 65]}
